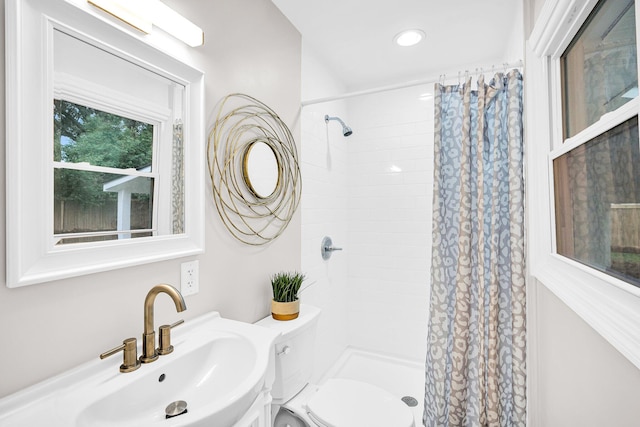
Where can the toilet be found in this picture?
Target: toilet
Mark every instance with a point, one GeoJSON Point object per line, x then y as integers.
{"type": "Point", "coordinates": [337, 402]}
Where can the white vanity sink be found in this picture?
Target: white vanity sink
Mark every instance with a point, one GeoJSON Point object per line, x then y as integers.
{"type": "Point", "coordinates": [218, 367]}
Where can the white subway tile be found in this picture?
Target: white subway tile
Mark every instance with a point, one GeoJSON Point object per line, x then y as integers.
{"type": "Point", "coordinates": [372, 193]}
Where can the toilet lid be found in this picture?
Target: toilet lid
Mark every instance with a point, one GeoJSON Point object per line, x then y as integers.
{"type": "Point", "coordinates": [348, 403]}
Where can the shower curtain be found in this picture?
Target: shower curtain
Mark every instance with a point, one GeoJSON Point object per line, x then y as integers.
{"type": "Point", "coordinates": [475, 369]}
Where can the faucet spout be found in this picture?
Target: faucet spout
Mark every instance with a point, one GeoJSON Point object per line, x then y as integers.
{"type": "Point", "coordinates": [149, 353]}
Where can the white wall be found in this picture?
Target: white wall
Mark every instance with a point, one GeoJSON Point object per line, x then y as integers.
{"type": "Point", "coordinates": [49, 328]}
{"type": "Point", "coordinates": [324, 211]}
{"type": "Point", "coordinates": [374, 293]}
{"type": "Point", "coordinates": [390, 198]}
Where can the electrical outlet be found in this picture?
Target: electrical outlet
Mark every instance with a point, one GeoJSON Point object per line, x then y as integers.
{"type": "Point", "coordinates": [189, 275]}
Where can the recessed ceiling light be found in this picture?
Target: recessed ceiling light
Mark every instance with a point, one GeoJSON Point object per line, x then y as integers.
{"type": "Point", "coordinates": [409, 37]}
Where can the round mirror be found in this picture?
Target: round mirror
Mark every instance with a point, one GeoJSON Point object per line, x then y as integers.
{"type": "Point", "coordinates": [261, 170]}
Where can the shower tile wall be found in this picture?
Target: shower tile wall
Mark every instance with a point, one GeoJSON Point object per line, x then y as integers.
{"type": "Point", "coordinates": [324, 213]}
{"type": "Point", "coordinates": [371, 192]}
{"type": "Point", "coordinates": [390, 175]}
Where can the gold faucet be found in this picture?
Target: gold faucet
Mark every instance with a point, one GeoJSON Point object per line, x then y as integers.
{"type": "Point", "coordinates": [149, 353]}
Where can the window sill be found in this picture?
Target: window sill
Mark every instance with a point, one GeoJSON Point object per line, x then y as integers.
{"type": "Point", "coordinates": [609, 305]}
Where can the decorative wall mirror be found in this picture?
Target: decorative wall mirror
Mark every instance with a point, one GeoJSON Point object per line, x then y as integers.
{"type": "Point", "coordinates": [253, 164]}
{"type": "Point", "coordinates": [104, 167]}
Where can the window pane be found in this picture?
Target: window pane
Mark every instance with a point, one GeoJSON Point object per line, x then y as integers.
{"type": "Point", "coordinates": [599, 71]}
{"type": "Point", "coordinates": [83, 134]}
{"type": "Point", "coordinates": [90, 202]}
{"type": "Point", "coordinates": [597, 199]}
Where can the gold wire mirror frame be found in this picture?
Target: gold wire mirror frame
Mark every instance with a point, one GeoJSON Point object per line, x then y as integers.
{"type": "Point", "coordinates": [241, 122]}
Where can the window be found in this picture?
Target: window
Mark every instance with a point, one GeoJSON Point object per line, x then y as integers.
{"type": "Point", "coordinates": [597, 168]}
{"type": "Point", "coordinates": [116, 129]}
{"type": "Point", "coordinates": [103, 177]}
{"type": "Point", "coordinates": [582, 163]}
{"type": "Point", "coordinates": [597, 199]}
{"type": "Point", "coordinates": [599, 68]}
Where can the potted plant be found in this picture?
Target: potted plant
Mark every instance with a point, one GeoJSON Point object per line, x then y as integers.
{"type": "Point", "coordinates": [285, 304]}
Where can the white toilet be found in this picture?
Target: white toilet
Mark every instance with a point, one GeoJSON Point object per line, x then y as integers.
{"type": "Point", "coordinates": [335, 403]}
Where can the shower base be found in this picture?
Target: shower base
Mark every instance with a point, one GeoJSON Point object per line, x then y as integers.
{"type": "Point", "coordinates": [400, 377]}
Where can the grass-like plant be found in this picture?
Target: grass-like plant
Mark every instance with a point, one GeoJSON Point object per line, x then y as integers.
{"type": "Point", "coordinates": [286, 286]}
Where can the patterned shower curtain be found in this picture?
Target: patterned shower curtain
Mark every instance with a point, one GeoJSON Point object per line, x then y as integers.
{"type": "Point", "coordinates": [475, 370]}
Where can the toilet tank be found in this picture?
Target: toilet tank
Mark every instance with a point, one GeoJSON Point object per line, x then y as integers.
{"type": "Point", "coordinates": [294, 352]}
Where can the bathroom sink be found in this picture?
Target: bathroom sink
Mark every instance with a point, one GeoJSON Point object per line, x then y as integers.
{"type": "Point", "coordinates": [218, 367]}
{"type": "Point", "coordinates": [208, 378]}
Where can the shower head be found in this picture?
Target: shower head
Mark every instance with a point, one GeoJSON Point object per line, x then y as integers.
{"type": "Point", "coordinates": [346, 130]}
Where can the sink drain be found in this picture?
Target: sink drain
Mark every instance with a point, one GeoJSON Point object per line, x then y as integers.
{"type": "Point", "coordinates": [176, 408]}
{"type": "Point", "coordinates": [410, 401]}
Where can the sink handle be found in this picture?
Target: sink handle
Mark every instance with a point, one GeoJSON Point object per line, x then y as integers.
{"type": "Point", "coordinates": [285, 350]}
{"type": "Point", "coordinates": [165, 338]}
{"type": "Point", "coordinates": [130, 361]}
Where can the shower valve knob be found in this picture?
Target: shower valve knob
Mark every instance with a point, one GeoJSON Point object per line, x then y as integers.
{"type": "Point", "coordinates": [327, 248]}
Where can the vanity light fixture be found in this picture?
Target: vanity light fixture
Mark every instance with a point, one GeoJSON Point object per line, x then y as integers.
{"type": "Point", "coordinates": [175, 24]}
{"type": "Point", "coordinates": [127, 13]}
{"type": "Point", "coordinates": [409, 37]}
{"type": "Point", "coordinates": [144, 14]}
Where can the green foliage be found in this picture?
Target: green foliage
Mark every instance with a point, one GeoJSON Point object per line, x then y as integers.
{"type": "Point", "coordinates": [286, 286]}
{"type": "Point", "coordinates": [82, 186]}
{"type": "Point", "coordinates": [83, 134]}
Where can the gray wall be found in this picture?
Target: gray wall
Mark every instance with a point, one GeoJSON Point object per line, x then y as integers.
{"type": "Point", "coordinates": [582, 380]}
{"type": "Point", "coordinates": [48, 328]}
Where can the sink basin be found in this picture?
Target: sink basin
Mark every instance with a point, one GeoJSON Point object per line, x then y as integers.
{"type": "Point", "coordinates": [218, 367]}
{"type": "Point", "coordinates": [211, 378]}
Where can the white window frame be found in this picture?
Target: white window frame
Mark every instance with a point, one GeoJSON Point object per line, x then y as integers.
{"type": "Point", "coordinates": [30, 255]}
{"type": "Point", "coordinates": [609, 305]}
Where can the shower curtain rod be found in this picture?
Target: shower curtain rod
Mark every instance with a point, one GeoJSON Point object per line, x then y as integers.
{"type": "Point", "coordinates": [411, 83]}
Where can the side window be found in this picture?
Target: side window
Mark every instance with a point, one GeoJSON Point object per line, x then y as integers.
{"type": "Point", "coordinates": [599, 68]}
{"type": "Point", "coordinates": [597, 168]}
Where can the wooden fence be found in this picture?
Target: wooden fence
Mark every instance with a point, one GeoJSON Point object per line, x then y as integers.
{"type": "Point", "coordinates": [75, 217]}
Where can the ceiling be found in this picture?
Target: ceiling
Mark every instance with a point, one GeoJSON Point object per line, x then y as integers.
{"type": "Point", "coordinates": [354, 38]}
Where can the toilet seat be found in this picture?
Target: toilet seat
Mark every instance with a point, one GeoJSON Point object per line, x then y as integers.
{"type": "Point", "coordinates": [348, 403]}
